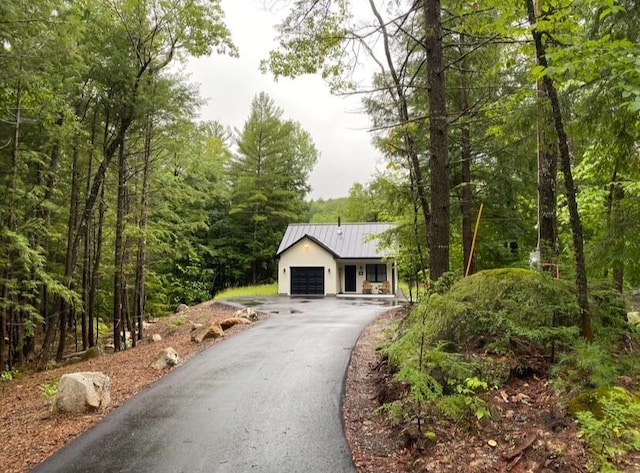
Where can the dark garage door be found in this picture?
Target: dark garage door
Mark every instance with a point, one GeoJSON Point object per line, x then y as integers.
{"type": "Point", "coordinates": [307, 280]}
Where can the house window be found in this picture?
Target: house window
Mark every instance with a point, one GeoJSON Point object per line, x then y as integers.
{"type": "Point", "coordinates": [376, 272]}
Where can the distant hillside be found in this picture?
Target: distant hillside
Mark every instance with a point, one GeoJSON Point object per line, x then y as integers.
{"type": "Point", "coordinates": [327, 211]}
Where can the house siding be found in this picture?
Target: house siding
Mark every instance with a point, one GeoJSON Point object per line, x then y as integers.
{"type": "Point", "coordinates": [307, 253]}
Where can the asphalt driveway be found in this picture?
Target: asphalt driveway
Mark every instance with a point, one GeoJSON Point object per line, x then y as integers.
{"type": "Point", "coordinates": [265, 400]}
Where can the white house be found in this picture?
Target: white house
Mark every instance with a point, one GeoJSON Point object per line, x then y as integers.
{"type": "Point", "coordinates": [331, 259]}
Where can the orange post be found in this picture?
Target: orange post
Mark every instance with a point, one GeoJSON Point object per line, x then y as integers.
{"type": "Point", "coordinates": [473, 242]}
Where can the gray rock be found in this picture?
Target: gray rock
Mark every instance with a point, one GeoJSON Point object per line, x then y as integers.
{"type": "Point", "coordinates": [181, 308]}
{"type": "Point", "coordinates": [166, 358]}
{"type": "Point", "coordinates": [82, 392]}
{"type": "Point", "coordinates": [156, 337]}
{"type": "Point", "coordinates": [247, 313]}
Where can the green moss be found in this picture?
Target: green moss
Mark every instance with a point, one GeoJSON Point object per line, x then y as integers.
{"type": "Point", "coordinates": [92, 352]}
{"type": "Point", "coordinates": [592, 401]}
{"type": "Point", "coordinates": [496, 305]}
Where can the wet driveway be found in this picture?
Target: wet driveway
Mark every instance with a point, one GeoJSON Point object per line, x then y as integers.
{"type": "Point", "coordinates": [265, 400]}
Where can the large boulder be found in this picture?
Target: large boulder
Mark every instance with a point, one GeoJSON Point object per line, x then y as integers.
{"type": "Point", "coordinates": [83, 392]}
{"type": "Point", "coordinates": [207, 331]}
{"type": "Point", "coordinates": [226, 324]}
{"type": "Point", "coordinates": [166, 358]}
{"type": "Point", "coordinates": [247, 313]}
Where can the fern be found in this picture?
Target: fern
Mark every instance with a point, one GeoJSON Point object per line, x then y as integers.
{"type": "Point", "coordinates": [614, 430]}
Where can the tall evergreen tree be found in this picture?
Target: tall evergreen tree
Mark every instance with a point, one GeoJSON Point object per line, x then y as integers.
{"type": "Point", "coordinates": [269, 182]}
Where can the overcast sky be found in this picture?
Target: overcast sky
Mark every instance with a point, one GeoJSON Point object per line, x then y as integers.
{"type": "Point", "coordinates": [338, 128]}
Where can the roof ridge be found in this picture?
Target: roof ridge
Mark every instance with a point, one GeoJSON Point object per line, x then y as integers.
{"type": "Point", "coordinates": [342, 223]}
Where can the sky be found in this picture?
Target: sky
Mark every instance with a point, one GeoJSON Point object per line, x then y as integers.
{"type": "Point", "coordinates": [337, 125]}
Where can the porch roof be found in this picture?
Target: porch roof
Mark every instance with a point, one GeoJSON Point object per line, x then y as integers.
{"type": "Point", "coordinates": [345, 241]}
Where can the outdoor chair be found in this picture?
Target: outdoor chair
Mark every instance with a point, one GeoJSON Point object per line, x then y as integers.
{"type": "Point", "coordinates": [366, 287]}
{"type": "Point", "coordinates": [384, 288]}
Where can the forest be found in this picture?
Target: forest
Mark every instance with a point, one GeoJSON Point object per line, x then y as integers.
{"type": "Point", "coordinates": [117, 202]}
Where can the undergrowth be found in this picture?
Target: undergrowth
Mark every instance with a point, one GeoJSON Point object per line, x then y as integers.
{"type": "Point", "coordinates": [612, 430]}
{"type": "Point", "coordinates": [49, 389]}
{"type": "Point", "coordinates": [477, 333]}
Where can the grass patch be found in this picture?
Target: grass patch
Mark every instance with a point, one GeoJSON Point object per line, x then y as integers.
{"type": "Point", "coordinates": [249, 291]}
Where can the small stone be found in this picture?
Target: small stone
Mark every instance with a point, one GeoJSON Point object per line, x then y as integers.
{"type": "Point", "coordinates": [181, 308]}
{"type": "Point", "coordinates": [492, 443]}
{"type": "Point", "coordinates": [247, 313]}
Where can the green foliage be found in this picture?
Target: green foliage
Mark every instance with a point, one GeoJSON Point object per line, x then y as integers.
{"type": "Point", "coordinates": [494, 311]}
{"type": "Point", "coordinates": [268, 184]}
{"type": "Point", "coordinates": [498, 305]}
{"type": "Point", "coordinates": [598, 363]}
{"type": "Point", "coordinates": [7, 375]}
{"type": "Point", "coordinates": [610, 425]}
{"type": "Point", "coordinates": [327, 211]}
{"type": "Point", "coordinates": [395, 412]}
{"type": "Point", "coordinates": [465, 402]}
{"type": "Point", "coordinates": [179, 322]}
{"type": "Point", "coordinates": [587, 365]}
{"type": "Point", "coordinates": [49, 389]}
{"type": "Point", "coordinates": [92, 352]}
{"type": "Point", "coordinates": [80, 80]}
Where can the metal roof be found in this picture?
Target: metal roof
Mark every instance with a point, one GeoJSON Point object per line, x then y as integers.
{"type": "Point", "coordinates": [349, 240]}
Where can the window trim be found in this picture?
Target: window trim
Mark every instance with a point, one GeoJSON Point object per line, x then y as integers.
{"type": "Point", "coordinates": [378, 270]}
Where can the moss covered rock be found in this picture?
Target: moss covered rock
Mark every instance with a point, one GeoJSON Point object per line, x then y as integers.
{"type": "Point", "coordinates": [594, 400]}
{"type": "Point", "coordinates": [494, 304]}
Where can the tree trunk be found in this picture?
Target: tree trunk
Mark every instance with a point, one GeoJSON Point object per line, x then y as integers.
{"type": "Point", "coordinates": [547, 207]}
{"type": "Point", "coordinates": [95, 272]}
{"type": "Point", "coordinates": [89, 272]}
{"type": "Point", "coordinates": [70, 255]}
{"type": "Point", "coordinates": [616, 226]}
{"type": "Point", "coordinates": [118, 274]}
{"type": "Point", "coordinates": [397, 92]}
{"type": "Point", "coordinates": [438, 159]}
{"type": "Point", "coordinates": [570, 190]}
{"type": "Point", "coordinates": [2, 332]}
{"type": "Point", "coordinates": [140, 293]}
{"type": "Point", "coordinates": [547, 182]}
{"type": "Point", "coordinates": [465, 156]}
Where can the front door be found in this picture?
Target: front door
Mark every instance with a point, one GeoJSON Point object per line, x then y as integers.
{"type": "Point", "coordinates": [350, 278]}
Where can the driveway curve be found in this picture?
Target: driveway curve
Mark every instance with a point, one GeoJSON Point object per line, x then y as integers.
{"type": "Point", "coordinates": [265, 400]}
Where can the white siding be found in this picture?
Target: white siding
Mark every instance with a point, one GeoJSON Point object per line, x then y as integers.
{"type": "Point", "coordinates": [306, 253]}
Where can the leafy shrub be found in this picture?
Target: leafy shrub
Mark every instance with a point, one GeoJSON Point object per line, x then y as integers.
{"type": "Point", "coordinates": [589, 365]}
{"type": "Point", "coordinates": [610, 424]}
{"type": "Point", "coordinates": [49, 389]}
{"type": "Point", "coordinates": [497, 312]}
{"type": "Point", "coordinates": [7, 375]}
